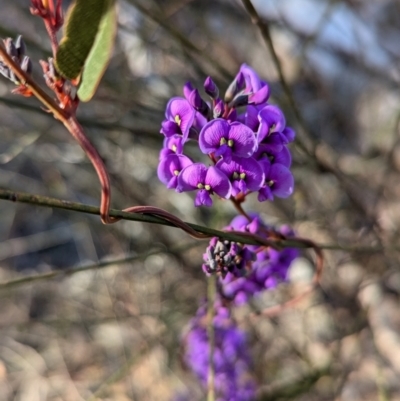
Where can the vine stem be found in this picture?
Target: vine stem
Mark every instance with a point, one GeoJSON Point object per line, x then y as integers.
{"type": "Point", "coordinates": [72, 125]}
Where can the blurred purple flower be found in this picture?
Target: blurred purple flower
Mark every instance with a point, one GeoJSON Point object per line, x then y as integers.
{"type": "Point", "coordinates": [268, 267]}
{"type": "Point", "coordinates": [231, 358]}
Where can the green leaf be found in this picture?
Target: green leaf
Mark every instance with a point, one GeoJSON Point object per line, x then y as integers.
{"type": "Point", "coordinates": [99, 55]}
{"type": "Point", "coordinates": [81, 28]}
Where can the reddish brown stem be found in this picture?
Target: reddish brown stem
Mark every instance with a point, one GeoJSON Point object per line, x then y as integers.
{"type": "Point", "coordinates": [53, 37]}
{"type": "Point", "coordinates": [77, 132]}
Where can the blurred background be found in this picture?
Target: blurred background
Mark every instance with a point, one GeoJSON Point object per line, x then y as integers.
{"type": "Point", "coordinates": [114, 333]}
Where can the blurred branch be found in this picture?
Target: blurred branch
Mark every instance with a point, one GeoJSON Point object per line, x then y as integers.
{"type": "Point", "coordinates": [287, 391]}
{"type": "Point", "coordinates": [305, 142]}
{"type": "Point", "coordinates": [6, 285]}
{"type": "Point", "coordinates": [182, 39]}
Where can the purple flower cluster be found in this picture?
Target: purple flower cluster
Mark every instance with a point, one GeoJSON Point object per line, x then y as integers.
{"type": "Point", "coordinates": [243, 136]}
{"type": "Point", "coordinates": [232, 361]}
{"type": "Point", "coordinates": [246, 270]}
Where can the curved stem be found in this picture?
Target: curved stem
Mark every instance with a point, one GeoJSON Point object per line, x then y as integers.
{"type": "Point", "coordinates": [72, 125]}
{"type": "Point", "coordinates": [77, 132]}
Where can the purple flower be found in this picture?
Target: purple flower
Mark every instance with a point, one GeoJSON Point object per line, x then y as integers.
{"type": "Point", "coordinates": [278, 181]}
{"type": "Point", "coordinates": [252, 79]}
{"type": "Point", "coordinates": [231, 359]}
{"type": "Point", "coordinates": [206, 180]}
{"type": "Point", "coordinates": [264, 152]}
{"type": "Point", "coordinates": [180, 115]}
{"type": "Point", "coordinates": [170, 168]}
{"type": "Point", "coordinates": [244, 174]}
{"type": "Point", "coordinates": [224, 139]}
{"type": "Point", "coordinates": [259, 97]}
{"type": "Point", "coordinates": [267, 268]}
{"type": "Point", "coordinates": [271, 120]}
{"type": "Point", "coordinates": [172, 145]}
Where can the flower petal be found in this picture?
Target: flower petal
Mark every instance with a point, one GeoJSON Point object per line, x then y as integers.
{"type": "Point", "coordinates": [264, 194]}
{"type": "Point", "coordinates": [180, 111]}
{"type": "Point", "coordinates": [253, 81]}
{"type": "Point", "coordinates": [191, 176]}
{"type": "Point", "coordinates": [283, 180]}
{"type": "Point", "coordinates": [245, 143]}
{"type": "Point", "coordinates": [271, 120]}
{"type": "Point", "coordinates": [169, 128]}
{"type": "Point", "coordinates": [283, 157]}
{"type": "Point", "coordinates": [218, 182]}
{"type": "Point", "coordinates": [170, 167]}
{"type": "Point", "coordinates": [211, 135]}
{"type": "Point", "coordinates": [203, 198]}
{"type": "Point", "coordinates": [172, 145]}
{"type": "Point", "coordinates": [289, 133]}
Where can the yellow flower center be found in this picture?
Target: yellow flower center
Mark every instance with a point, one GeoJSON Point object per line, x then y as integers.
{"type": "Point", "coordinates": [178, 120]}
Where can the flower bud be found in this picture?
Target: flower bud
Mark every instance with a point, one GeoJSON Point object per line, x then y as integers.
{"type": "Point", "coordinates": [10, 48]}
{"type": "Point", "coordinates": [26, 65]}
{"type": "Point", "coordinates": [20, 46]}
{"type": "Point", "coordinates": [219, 109]}
{"type": "Point", "coordinates": [197, 102]}
{"type": "Point", "coordinates": [210, 88]}
{"type": "Point", "coordinates": [239, 100]}
{"type": "Point", "coordinates": [187, 90]}
{"type": "Point", "coordinates": [235, 87]}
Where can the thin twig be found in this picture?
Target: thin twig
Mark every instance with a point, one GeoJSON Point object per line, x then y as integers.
{"type": "Point", "coordinates": [44, 201]}
{"type": "Point", "coordinates": [10, 284]}
{"type": "Point", "coordinates": [305, 142]}
{"type": "Point", "coordinates": [182, 39]}
{"type": "Point", "coordinates": [211, 296]}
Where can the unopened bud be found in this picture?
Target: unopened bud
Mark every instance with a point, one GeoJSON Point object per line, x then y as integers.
{"type": "Point", "coordinates": [26, 65]}
{"type": "Point", "coordinates": [20, 46]}
{"type": "Point", "coordinates": [210, 88]}
{"type": "Point", "coordinates": [187, 90]}
{"type": "Point", "coordinates": [239, 100]}
{"type": "Point", "coordinates": [197, 102]}
{"type": "Point", "coordinates": [10, 48]}
{"type": "Point", "coordinates": [219, 109]}
{"type": "Point", "coordinates": [235, 87]}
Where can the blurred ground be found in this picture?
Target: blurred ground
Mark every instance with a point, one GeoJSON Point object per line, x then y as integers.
{"type": "Point", "coordinates": [113, 334]}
